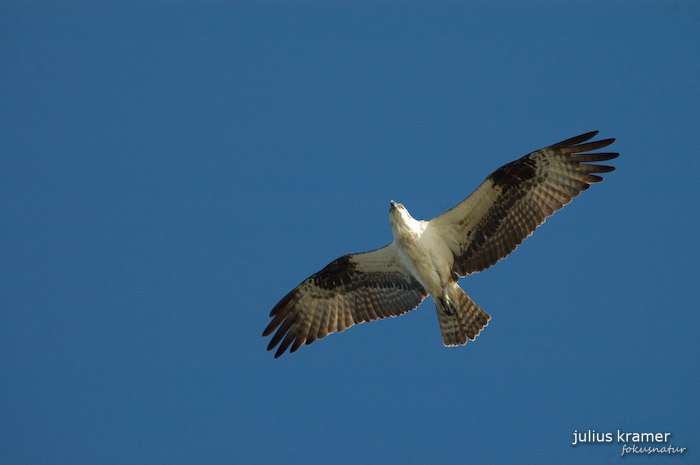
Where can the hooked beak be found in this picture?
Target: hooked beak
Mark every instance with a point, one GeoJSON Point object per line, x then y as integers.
{"type": "Point", "coordinates": [393, 204]}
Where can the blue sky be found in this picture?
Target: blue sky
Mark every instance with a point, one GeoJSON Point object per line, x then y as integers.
{"type": "Point", "coordinates": [168, 172]}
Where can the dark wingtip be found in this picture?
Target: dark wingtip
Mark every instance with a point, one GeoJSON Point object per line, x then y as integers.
{"type": "Point", "coordinates": [268, 330]}
{"type": "Point", "coordinates": [575, 140]}
{"type": "Point", "coordinates": [605, 142]}
{"type": "Point", "coordinates": [603, 169]}
{"type": "Point", "coordinates": [608, 155]}
{"type": "Point", "coordinates": [271, 346]}
{"type": "Point", "coordinates": [578, 144]}
{"type": "Point", "coordinates": [585, 136]}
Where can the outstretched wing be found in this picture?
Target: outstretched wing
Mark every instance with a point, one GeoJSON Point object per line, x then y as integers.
{"type": "Point", "coordinates": [516, 198]}
{"type": "Point", "coordinates": [352, 289]}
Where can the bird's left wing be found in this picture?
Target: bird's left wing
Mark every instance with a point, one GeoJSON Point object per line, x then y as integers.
{"type": "Point", "coordinates": [352, 289]}
{"type": "Point", "coordinates": [516, 198]}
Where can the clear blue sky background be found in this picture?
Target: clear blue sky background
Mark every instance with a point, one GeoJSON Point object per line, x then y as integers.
{"type": "Point", "coordinates": [168, 172]}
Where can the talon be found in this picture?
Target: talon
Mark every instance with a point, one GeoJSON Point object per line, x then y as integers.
{"type": "Point", "coordinates": [447, 307]}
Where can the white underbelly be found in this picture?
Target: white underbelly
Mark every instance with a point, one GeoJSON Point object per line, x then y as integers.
{"type": "Point", "coordinates": [429, 263]}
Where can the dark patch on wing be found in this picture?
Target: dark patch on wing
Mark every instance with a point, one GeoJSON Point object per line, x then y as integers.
{"type": "Point", "coordinates": [514, 173]}
{"type": "Point", "coordinates": [338, 272]}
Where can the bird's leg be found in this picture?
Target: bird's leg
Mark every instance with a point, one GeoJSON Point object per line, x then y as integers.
{"type": "Point", "coordinates": [447, 306]}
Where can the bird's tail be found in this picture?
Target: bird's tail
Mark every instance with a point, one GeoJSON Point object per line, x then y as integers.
{"type": "Point", "coordinates": [460, 318]}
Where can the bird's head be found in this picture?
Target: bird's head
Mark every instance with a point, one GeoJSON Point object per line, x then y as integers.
{"type": "Point", "coordinates": [394, 207]}
{"type": "Point", "coordinates": [398, 214]}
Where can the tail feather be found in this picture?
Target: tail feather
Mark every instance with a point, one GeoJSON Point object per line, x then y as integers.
{"type": "Point", "coordinates": [460, 318]}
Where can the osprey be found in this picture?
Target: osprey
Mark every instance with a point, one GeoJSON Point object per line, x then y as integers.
{"type": "Point", "coordinates": [427, 257]}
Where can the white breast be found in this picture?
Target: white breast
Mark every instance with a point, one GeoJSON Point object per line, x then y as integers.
{"type": "Point", "coordinates": [425, 255]}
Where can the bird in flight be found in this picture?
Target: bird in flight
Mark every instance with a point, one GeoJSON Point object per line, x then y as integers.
{"type": "Point", "coordinates": [428, 257]}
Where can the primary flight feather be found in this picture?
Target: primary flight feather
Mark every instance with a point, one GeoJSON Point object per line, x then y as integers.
{"type": "Point", "coordinates": [427, 257]}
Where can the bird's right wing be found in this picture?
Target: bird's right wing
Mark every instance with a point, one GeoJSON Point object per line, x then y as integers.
{"type": "Point", "coordinates": [352, 289]}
